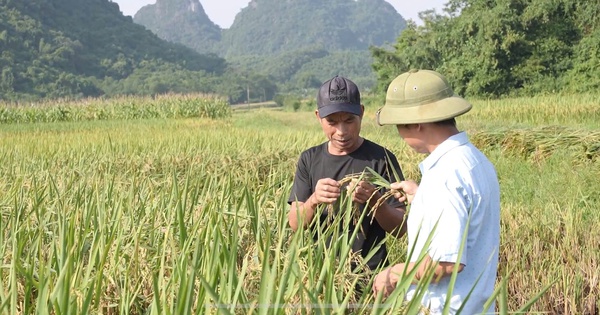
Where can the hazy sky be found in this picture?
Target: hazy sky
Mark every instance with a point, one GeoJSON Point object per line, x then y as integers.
{"type": "Point", "coordinates": [222, 12]}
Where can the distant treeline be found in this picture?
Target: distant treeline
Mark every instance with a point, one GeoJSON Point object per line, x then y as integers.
{"type": "Point", "coordinates": [503, 47]}
{"type": "Point", "coordinates": [87, 48]}
{"type": "Point", "coordinates": [79, 49]}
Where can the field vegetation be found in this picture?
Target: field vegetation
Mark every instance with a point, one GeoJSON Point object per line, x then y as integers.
{"type": "Point", "coordinates": [125, 107]}
{"type": "Point", "coordinates": [175, 214]}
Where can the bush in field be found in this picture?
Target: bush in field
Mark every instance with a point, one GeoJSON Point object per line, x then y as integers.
{"type": "Point", "coordinates": [288, 102]}
{"type": "Point", "coordinates": [310, 104]}
{"type": "Point", "coordinates": [166, 106]}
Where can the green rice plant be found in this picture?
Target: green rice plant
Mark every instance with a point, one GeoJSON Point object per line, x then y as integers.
{"type": "Point", "coordinates": [539, 143]}
{"type": "Point", "coordinates": [575, 111]}
{"type": "Point", "coordinates": [163, 216]}
{"type": "Point", "coordinates": [164, 106]}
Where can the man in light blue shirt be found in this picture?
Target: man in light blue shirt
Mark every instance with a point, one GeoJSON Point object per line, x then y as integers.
{"type": "Point", "coordinates": [457, 202]}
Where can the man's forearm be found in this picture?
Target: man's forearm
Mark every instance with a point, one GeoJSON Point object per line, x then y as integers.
{"type": "Point", "coordinates": [440, 269]}
{"type": "Point", "coordinates": [302, 213]}
{"type": "Point", "coordinates": [389, 218]}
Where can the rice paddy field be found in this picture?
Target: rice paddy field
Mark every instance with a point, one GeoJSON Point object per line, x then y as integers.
{"type": "Point", "coordinates": [177, 205]}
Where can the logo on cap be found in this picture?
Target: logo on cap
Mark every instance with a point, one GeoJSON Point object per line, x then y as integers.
{"type": "Point", "coordinates": [338, 95]}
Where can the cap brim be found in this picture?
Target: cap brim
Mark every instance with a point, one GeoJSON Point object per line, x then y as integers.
{"type": "Point", "coordinates": [336, 108]}
{"type": "Point", "coordinates": [423, 113]}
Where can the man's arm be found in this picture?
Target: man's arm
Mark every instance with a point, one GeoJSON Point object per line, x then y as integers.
{"type": "Point", "coordinates": [441, 269]}
{"type": "Point", "coordinates": [389, 218]}
{"type": "Point", "coordinates": [393, 219]}
{"type": "Point", "coordinates": [387, 279]}
{"type": "Point", "coordinates": [301, 214]}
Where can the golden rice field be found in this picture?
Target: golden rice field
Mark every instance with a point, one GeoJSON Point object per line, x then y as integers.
{"type": "Point", "coordinates": [165, 213]}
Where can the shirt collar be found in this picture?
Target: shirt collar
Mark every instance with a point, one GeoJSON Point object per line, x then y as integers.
{"type": "Point", "coordinates": [444, 147]}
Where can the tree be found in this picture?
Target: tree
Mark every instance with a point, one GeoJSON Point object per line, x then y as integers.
{"type": "Point", "coordinates": [501, 47]}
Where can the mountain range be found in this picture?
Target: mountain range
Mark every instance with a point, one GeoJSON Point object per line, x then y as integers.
{"type": "Point", "coordinates": [307, 40]}
{"type": "Point", "coordinates": [183, 22]}
{"type": "Point", "coordinates": [272, 26]}
{"type": "Point", "coordinates": [83, 48]}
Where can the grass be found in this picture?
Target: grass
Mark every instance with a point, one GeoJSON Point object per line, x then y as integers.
{"type": "Point", "coordinates": [162, 216]}
{"type": "Point", "coordinates": [126, 107]}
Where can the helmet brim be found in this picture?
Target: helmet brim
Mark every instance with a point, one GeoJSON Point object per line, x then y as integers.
{"type": "Point", "coordinates": [446, 108]}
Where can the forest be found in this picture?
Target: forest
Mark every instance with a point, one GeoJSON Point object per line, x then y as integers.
{"type": "Point", "coordinates": [490, 49]}
{"type": "Point", "coordinates": [487, 49]}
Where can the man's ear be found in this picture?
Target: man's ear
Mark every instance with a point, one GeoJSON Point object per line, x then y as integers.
{"type": "Point", "coordinates": [416, 127]}
{"type": "Point", "coordinates": [362, 110]}
{"type": "Point", "coordinates": [317, 114]}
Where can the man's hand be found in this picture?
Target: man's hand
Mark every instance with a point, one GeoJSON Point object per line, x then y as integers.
{"type": "Point", "coordinates": [385, 282]}
{"type": "Point", "coordinates": [363, 192]}
{"type": "Point", "coordinates": [405, 190]}
{"type": "Point", "coordinates": [301, 214]}
{"type": "Point", "coordinates": [327, 191]}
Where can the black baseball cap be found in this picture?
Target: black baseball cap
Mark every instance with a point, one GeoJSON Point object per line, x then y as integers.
{"type": "Point", "coordinates": [338, 95]}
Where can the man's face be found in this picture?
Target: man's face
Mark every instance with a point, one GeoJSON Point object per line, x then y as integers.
{"type": "Point", "coordinates": [410, 134]}
{"type": "Point", "coordinates": [343, 131]}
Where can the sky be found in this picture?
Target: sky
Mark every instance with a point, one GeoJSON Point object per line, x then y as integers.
{"type": "Point", "coordinates": [222, 12]}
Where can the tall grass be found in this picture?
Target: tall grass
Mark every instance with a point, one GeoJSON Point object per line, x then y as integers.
{"type": "Point", "coordinates": [189, 216]}
{"type": "Point", "coordinates": [575, 111]}
{"type": "Point", "coordinates": [160, 106]}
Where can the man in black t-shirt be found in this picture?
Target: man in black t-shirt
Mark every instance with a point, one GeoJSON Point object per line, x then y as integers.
{"type": "Point", "coordinates": [321, 167]}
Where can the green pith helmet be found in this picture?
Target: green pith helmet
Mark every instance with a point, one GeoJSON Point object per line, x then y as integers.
{"type": "Point", "coordinates": [420, 96]}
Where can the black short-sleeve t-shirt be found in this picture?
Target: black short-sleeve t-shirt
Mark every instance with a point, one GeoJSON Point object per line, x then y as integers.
{"type": "Point", "coordinates": [317, 163]}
